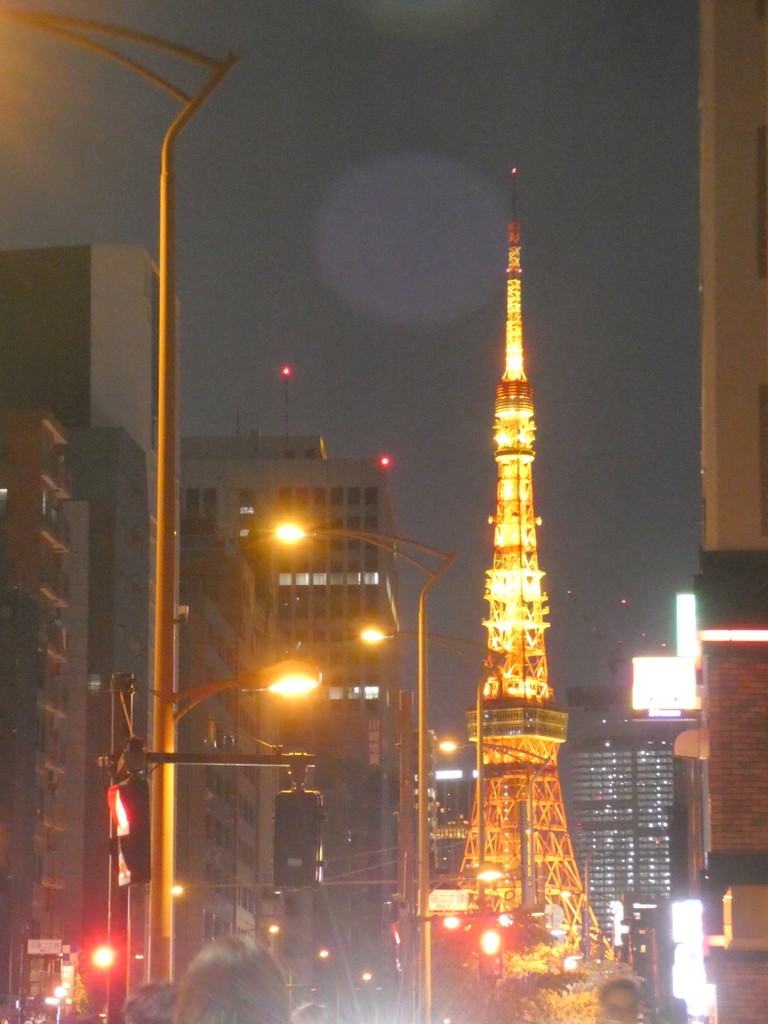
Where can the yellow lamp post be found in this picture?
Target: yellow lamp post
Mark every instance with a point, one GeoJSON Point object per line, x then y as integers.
{"type": "Point", "coordinates": [89, 35]}
{"type": "Point", "coordinates": [291, 533]}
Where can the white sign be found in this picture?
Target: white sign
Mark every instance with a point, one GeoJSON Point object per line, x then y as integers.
{"type": "Point", "coordinates": [44, 947]}
{"type": "Point", "coordinates": [664, 684]}
{"type": "Point", "coordinates": [449, 900]}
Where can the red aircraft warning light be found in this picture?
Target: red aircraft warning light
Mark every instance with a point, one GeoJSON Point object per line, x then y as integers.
{"type": "Point", "coordinates": [286, 371]}
{"type": "Point", "coordinates": [385, 461]}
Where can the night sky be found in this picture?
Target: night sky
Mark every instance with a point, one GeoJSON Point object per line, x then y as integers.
{"type": "Point", "coordinates": [342, 208]}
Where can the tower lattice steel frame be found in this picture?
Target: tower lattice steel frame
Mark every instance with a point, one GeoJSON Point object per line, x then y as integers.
{"type": "Point", "coordinates": [523, 726]}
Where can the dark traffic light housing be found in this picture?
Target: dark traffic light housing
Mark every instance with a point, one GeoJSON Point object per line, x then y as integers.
{"type": "Point", "coordinates": [298, 839]}
{"type": "Point", "coordinates": [129, 805]}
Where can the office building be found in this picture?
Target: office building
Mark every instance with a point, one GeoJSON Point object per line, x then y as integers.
{"type": "Point", "coordinates": [732, 590]}
{"type": "Point", "coordinates": [40, 736]}
{"type": "Point", "coordinates": [224, 867]}
{"type": "Point", "coordinates": [78, 336]}
{"type": "Point", "coordinates": [621, 781]}
{"type": "Point", "coordinates": [327, 589]}
{"type": "Point", "coordinates": [454, 798]}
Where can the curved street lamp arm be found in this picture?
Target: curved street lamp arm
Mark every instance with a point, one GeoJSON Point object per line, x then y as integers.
{"type": "Point", "coordinates": [196, 694]}
{"type": "Point", "coordinates": [62, 23]}
{"type": "Point", "coordinates": [389, 542]}
{"type": "Point", "coordinates": [107, 51]}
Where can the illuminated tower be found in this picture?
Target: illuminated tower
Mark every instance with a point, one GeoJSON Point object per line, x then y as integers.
{"type": "Point", "coordinates": [523, 727]}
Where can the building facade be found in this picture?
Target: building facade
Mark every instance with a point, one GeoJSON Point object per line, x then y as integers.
{"type": "Point", "coordinates": [621, 780]}
{"type": "Point", "coordinates": [327, 590]}
{"type": "Point", "coordinates": [78, 333]}
{"type": "Point", "coordinates": [223, 867]}
{"type": "Point", "coordinates": [732, 589]}
{"type": "Point", "coordinates": [40, 737]}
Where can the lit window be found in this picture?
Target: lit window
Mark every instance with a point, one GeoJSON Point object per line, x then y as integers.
{"type": "Point", "coordinates": [353, 578]}
{"type": "Point", "coordinates": [246, 510]}
{"type": "Point", "coordinates": [302, 579]}
{"type": "Point", "coordinates": [371, 692]}
{"type": "Point", "coordinates": [284, 579]}
{"type": "Point", "coordinates": [318, 578]}
{"type": "Point", "coordinates": [371, 578]}
{"type": "Point", "coordinates": [353, 692]}
{"type": "Point", "coordinates": [336, 692]}
{"type": "Point", "coordinates": [244, 533]}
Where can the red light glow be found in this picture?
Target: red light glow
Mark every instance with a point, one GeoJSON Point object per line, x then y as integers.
{"type": "Point", "coordinates": [286, 371]}
{"type": "Point", "coordinates": [103, 956]}
{"type": "Point", "coordinates": [385, 460]}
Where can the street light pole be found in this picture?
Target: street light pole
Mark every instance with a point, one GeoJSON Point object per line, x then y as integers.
{"type": "Point", "coordinates": [164, 734]}
{"type": "Point", "coordinates": [392, 544]}
{"type": "Point", "coordinates": [88, 35]}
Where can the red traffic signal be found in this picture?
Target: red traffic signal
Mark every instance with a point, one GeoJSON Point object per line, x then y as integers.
{"type": "Point", "coordinates": [103, 957]}
{"type": "Point", "coordinates": [129, 806]}
{"type": "Point", "coordinates": [489, 954]}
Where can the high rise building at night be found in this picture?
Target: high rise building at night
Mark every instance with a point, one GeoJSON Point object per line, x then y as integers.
{"type": "Point", "coordinates": [224, 847]}
{"type": "Point", "coordinates": [732, 589]}
{"type": "Point", "coordinates": [40, 727]}
{"type": "Point", "coordinates": [325, 591]}
{"type": "Point", "coordinates": [78, 337]}
{"type": "Point", "coordinates": [621, 779]}
{"type": "Point", "coordinates": [523, 818]}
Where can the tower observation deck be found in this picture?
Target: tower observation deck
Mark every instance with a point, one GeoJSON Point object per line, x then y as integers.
{"type": "Point", "coordinates": [526, 832]}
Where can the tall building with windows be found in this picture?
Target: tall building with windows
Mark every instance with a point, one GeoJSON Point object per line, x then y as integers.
{"type": "Point", "coordinates": [39, 737]}
{"type": "Point", "coordinates": [621, 780]}
{"type": "Point", "coordinates": [78, 337]}
{"type": "Point", "coordinates": [224, 838]}
{"type": "Point", "coordinates": [326, 590]}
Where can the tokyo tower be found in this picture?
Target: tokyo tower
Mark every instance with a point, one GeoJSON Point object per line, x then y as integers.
{"type": "Point", "coordinates": [526, 834]}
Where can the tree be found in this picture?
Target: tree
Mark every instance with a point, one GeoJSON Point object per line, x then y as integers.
{"type": "Point", "coordinates": [535, 988]}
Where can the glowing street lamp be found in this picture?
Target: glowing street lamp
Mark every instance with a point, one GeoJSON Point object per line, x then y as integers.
{"type": "Point", "coordinates": [489, 873]}
{"type": "Point", "coordinates": [290, 678]}
{"type": "Point", "coordinates": [373, 636]}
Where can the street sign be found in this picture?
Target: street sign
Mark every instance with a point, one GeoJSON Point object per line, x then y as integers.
{"type": "Point", "coordinates": [44, 947]}
{"type": "Point", "coordinates": [453, 901]}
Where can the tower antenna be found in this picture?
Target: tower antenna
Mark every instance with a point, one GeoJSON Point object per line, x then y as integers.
{"type": "Point", "coordinates": [286, 374]}
{"type": "Point", "coordinates": [513, 194]}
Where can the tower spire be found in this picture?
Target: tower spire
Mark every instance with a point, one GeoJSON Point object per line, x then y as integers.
{"type": "Point", "coordinates": [517, 605]}
{"type": "Point", "coordinates": [525, 829]}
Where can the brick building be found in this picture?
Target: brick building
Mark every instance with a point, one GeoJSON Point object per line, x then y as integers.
{"type": "Point", "coordinates": [732, 589]}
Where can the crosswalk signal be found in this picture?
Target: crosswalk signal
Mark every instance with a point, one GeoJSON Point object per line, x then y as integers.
{"type": "Point", "coordinates": [298, 855]}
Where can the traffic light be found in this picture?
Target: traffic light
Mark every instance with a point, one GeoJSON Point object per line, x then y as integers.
{"type": "Point", "coordinates": [489, 954]}
{"type": "Point", "coordinates": [298, 839]}
{"type": "Point", "coordinates": [103, 957]}
{"type": "Point", "coordinates": [129, 805]}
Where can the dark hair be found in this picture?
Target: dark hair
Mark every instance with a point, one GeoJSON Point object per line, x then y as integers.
{"type": "Point", "coordinates": [625, 985]}
{"type": "Point", "coordinates": [310, 1013]}
{"type": "Point", "coordinates": [150, 1004]}
{"type": "Point", "coordinates": [232, 981]}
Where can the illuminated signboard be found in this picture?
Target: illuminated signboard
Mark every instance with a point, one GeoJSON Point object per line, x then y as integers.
{"type": "Point", "coordinates": [685, 617]}
{"type": "Point", "coordinates": [664, 687]}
